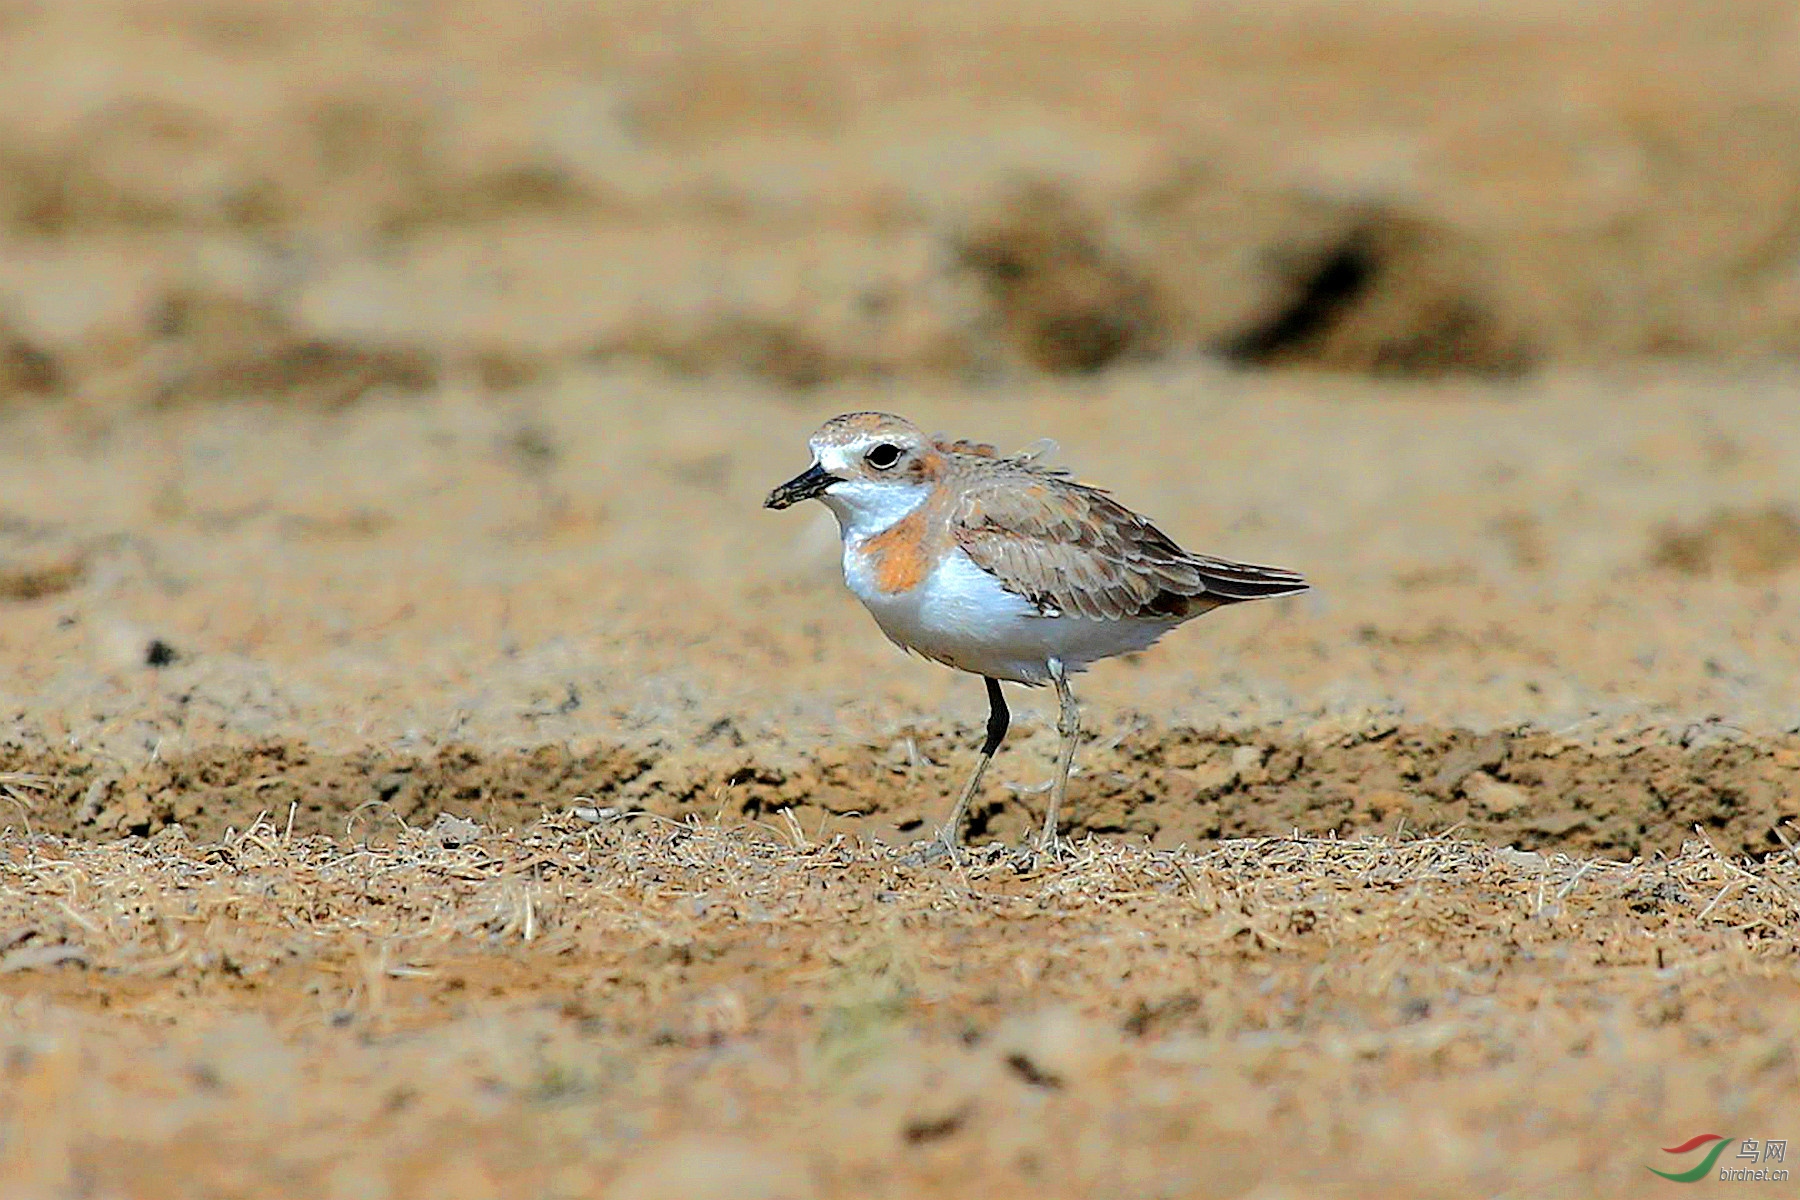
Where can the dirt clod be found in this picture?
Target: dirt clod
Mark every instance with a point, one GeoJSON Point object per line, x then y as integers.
{"type": "Point", "coordinates": [1743, 543]}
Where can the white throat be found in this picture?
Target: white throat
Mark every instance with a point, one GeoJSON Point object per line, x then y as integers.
{"type": "Point", "coordinates": [865, 507]}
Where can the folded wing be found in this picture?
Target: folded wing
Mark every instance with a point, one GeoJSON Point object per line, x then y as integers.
{"type": "Point", "coordinates": [1073, 549]}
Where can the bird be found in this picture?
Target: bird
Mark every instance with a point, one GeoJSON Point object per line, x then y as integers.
{"type": "Point", "coordinates": [1005, 568]}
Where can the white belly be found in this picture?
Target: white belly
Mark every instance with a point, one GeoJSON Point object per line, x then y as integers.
{"type": "Point", "coordinates": [961, 616]}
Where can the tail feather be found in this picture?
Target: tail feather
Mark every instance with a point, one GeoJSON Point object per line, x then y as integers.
{"type": "Point", "coordinates": [1231, 582]}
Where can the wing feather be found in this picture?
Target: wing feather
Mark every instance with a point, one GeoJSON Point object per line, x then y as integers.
{"type": "Point", "coordinates": [1071, 548]}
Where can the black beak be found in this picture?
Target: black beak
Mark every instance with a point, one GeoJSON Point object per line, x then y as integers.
{"type": "Point", "coordinates": [809, 483]}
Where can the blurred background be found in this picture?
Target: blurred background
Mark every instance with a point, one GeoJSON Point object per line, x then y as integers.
{"type": "Point", "coordinates": [408, 373]}
{"type": "Point", "coordinates": [210, 201]}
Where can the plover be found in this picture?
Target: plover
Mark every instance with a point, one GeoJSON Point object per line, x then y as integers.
{"type": "Point", "coordinates": [999, 566]}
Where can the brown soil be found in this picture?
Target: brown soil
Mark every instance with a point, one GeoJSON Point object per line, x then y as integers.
{"type": "Point", "coordinates": [338, 666]}
{"type": "Point", "coordinates": [1179, 786]}
{"type": "Point", "coordinates": [648, 1009]}
{"type": "Point", "coordinates": [426, 770]}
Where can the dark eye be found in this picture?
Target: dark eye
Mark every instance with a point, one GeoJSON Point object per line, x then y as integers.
{"type": "Point", "coordinates": [883, 456]}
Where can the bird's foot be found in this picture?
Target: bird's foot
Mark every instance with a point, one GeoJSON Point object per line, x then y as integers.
{"type": "Point", "coordinates": [931, 851]}
{"type": "Point", "coordinates": [1046, 850]}
{"type": "Point", "coordinates": [983, 859]}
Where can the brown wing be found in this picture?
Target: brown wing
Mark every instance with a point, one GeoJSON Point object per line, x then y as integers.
{"type": "Point", "coordinates": [1069, 548]}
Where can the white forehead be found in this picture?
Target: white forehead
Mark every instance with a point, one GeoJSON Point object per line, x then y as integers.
{"type": "Point", "coordinates": [841, 451]}
{"type": "Point", "coordinates": [846, 438]}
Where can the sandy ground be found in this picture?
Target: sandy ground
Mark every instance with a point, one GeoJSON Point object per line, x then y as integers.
{"type": "Point", "coordinates": [575, 591]}
{"type": "Point", "coordinates": [425, 769]}
{"type": "Point", "coordinates": [1537, 626]}
{"type": "Point", "coordinates": [672, 1011]}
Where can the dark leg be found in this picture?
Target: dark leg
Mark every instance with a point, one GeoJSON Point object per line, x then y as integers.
{"type": "Point", "coordinates": [998, 720]}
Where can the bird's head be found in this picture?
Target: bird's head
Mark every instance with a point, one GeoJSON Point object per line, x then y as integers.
{"type": "Point", "coordinates": [869, 468]}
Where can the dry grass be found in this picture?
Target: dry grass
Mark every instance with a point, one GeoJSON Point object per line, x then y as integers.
{"type": "Point", "coordinates": [569, 882]}
{"type": "Point", "coordinates": [455, 1010]}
